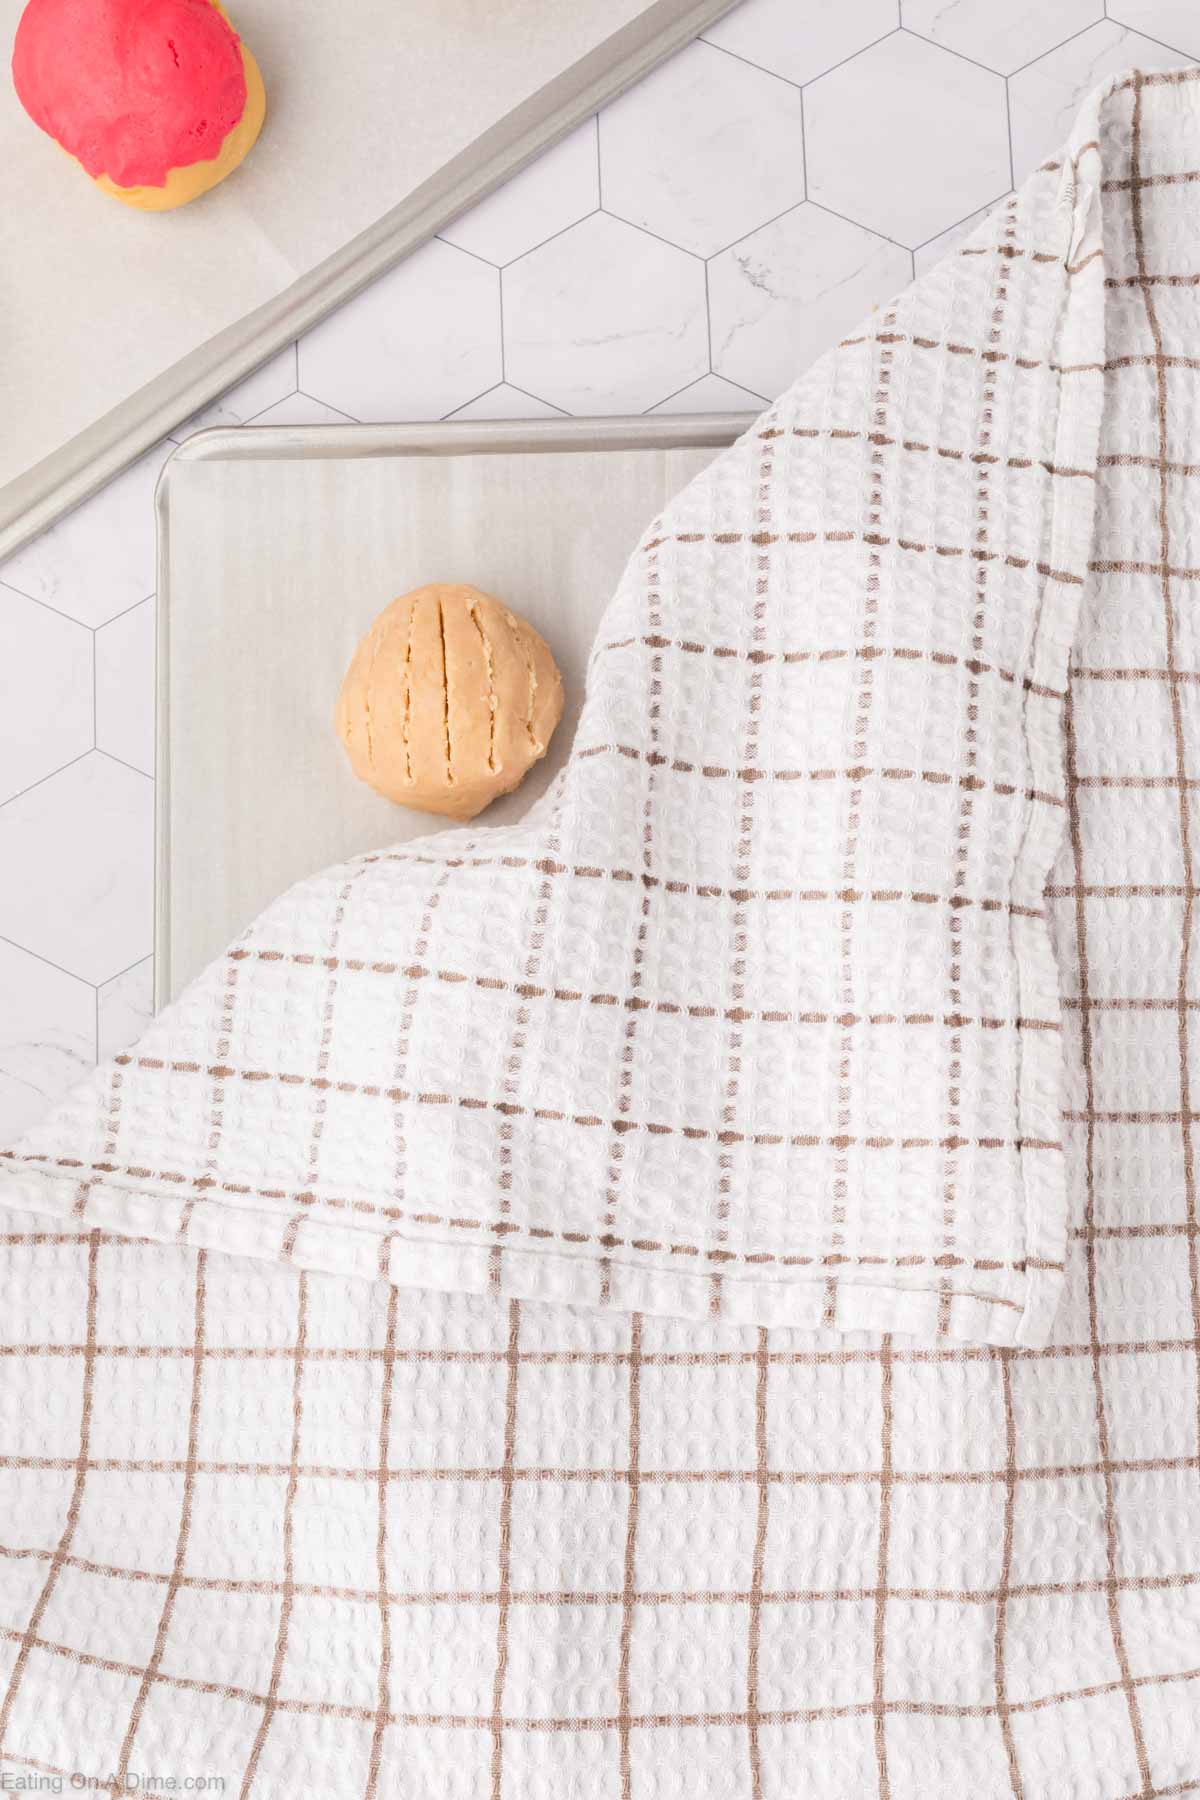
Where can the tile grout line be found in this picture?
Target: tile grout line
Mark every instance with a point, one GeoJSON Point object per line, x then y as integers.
{"type": "Point", "coordinates": [503, 347]}
{"type": "Point", "coordinates": [649, 231]}
{"type": "Point", "coordinates": [1061, 45]}
{"type": "Point", "coordinates": [110, 756]}
{"type": "Point", "coordinates": [562, 230]}
{"type": "Point", "coordinates": [43, 779]}
{"type": "Point", "coordinates": [50, 964]}
{"type": "Point", "coordinates": [45, 605]}
{"type": "Point", "coordinates": [762, 68]}
{"type": "Point", "coordinates": [823, 206]}
{"type": "Point", "coordinates": [765, 224]}
{"type": "Point", "coordinates": [123, 614]}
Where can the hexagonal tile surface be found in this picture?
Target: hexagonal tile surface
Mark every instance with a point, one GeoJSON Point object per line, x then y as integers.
{"type": "Point", "coordinates": [948, 241]}
{"type": "Point", "coordinates": [302, 409]}
{"type": "Point", "coordinates": [702, 149]}
{"type": "Point", "coordinates": [1046, 96]}
{"type": "Point", "coordinates": [1003, 37]}
{"type": "Point", "coordinates": [47, 1037]}
{"type": "Point", "coordinates": [125, 687]}
{"type": "Point", "coordinates": [712, 393]}
{"type": "Point", "coordinates": [556, 190]}
{"type": "Point", "coordinates": [81, 850]}
{"type": "Point", "coordinates": [417, 342]}
{"type": "Point", "coordinates": [98, 559]}
{"type": "Point", "coordinates": [46, 692]}
{"type": "Point", "coordinates": [124, 1008]}
{"type": "Point", "coordinates": [770, 33]}
{"type": "Point", "coordinates": [604, 319]}
{"type": "Point", "coordinates": [506, 402]}
{"type": "Point", "coordinates": [1173, 22]}
{"type": "Point", "coordinates": [939, 128]}
{"type": "Point", "coordinates": [789, 291]}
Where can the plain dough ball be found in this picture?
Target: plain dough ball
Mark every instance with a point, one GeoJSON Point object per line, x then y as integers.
{"type": "Point", "coordinates": [448, 701]}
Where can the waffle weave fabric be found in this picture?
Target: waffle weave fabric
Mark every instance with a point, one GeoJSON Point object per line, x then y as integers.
{"type": "Point", "coordinates": [697, 1294]}
{"type": "Point", "coordinates": [756, 1013]}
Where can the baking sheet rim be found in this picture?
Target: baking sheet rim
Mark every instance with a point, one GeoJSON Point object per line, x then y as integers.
{"type": "Point", "coordinates": [275, 443]}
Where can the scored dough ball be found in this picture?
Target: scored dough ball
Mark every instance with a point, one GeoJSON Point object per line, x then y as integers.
{"type": "Point", "coordinates": [449, 700]}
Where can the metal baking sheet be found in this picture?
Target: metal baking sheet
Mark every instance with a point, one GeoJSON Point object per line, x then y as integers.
{"type": "Point", "coordinates": [332, 197]}
{"type": "Point", "coordinates": [278, 546]}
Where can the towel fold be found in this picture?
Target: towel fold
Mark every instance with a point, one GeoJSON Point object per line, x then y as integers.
{"type": "Point", "coordinates": [755, 1014]}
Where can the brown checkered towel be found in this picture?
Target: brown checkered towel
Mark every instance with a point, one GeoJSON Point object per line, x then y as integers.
{"type": "Point", "coordinates": [639, 1303]}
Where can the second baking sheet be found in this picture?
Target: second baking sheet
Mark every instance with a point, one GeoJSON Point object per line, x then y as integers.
{"type": "Point", "coordinates": [277, 549]}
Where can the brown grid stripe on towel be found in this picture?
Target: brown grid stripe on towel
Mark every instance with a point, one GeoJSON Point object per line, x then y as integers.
{"type": "Point", "coordinates": [303, 1531]}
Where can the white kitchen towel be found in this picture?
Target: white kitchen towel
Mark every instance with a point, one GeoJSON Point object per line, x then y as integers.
{"type": "Point", "coordinates": [347, 1441]}
{"type": "Point", "coordinates": [755, 1014]}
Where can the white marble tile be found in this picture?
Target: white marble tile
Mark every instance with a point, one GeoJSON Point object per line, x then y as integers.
{"type": "Point", "coordinates": [78, 856]}
{"type": "Point", "coordinates": [45, 691]}
{"type": "Point", "coordinates": [1003, 37]}
{"type": "Point", "coordinates": [947, 241]}
{"type": "Point", "coordinates": [906, 138]}
{"type": "Point", "coordinates": [774, 33]}
{"type": "Point", "coordinates": [99, 559]}
{"type": "Point", "coordinates": [787, 292]}
{"type": "Point", "coordinates": [239, 404]}
{"type": "Point", "coordinates": [47, 1037]}
{"type": "Point", "coordinates": [505, 402]}
{"type": "Point", "coordinates": [1046, 96]}
{"type": "Point", "coordinates": [604, 319]}
{"type": "Point", "coordinates": [420, 340]}
{"type": "Point", "coordinates": [125, 687]}
{"type": "Point", "coordinates": [1173, 22]}
{"type": "Point", "coordinates": [558, 188]}
{"type": "Point", "coordinates": [302, 409]}
{"type": "Point", "coordinates": [125, 1006]}
{"type": "Point", "coordinates": [702, 150]}
{"type": "Point", "coordinates": [712, 393]}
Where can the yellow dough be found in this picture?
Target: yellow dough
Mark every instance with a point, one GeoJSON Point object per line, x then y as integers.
{"type": "Point", "coordinates": [188, 183]}
{"type": "Point", "coordinates": [449, 700]}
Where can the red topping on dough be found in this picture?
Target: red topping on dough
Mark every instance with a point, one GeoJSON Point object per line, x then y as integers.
{"type": "Point", "coordinates": [132, 88]}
